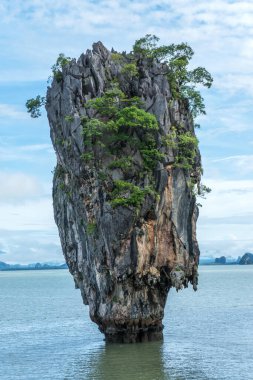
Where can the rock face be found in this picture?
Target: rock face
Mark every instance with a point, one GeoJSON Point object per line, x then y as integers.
{"type": "Point", "coordinates": [124, 262]}
{"type": "Point", "coordinates": [247, 259]}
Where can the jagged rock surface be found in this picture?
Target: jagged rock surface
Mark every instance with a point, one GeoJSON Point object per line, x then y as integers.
{"type": "Point", "coordinates": [126, 267]}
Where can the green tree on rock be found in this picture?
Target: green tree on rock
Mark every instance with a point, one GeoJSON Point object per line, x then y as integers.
{"type": "Point", "coordinates": [183, 82]}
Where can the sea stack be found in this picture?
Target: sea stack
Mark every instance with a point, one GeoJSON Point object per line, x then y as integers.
{"type": "Point", "coordinates": [123, 196]}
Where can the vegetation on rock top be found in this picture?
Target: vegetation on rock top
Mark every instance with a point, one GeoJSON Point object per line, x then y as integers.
{"type": "Point", "coordinates": [119, 120]}
{"type": "Point", "coordinates": [183, 82]}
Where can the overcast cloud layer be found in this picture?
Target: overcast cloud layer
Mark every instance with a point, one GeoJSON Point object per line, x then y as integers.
{"type": "Point", "coordinates": [34, 32]}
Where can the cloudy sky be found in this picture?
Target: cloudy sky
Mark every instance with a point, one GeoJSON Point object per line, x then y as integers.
{"type": "Point", "coordinates": [34, 32]}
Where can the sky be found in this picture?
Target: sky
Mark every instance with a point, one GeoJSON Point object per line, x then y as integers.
{"type": "Point", "coordinates": [34, 32]}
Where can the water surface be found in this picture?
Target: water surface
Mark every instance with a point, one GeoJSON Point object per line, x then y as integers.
{"type": "Point", "coordinates": [45, 331]}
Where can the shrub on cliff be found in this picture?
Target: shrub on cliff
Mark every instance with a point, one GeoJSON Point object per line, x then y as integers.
{"type": "Point", "coordinates": [182, 81]}
{"type": "Point", "coordinates": [118, 119]}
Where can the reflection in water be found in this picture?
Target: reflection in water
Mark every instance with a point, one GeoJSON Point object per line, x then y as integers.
{"type": "Point", "coordinates": [145, 361]}
{"type": "Point", "coordinates": [206, 334]}
{"type": "Point", "coordinates": [124, 362]}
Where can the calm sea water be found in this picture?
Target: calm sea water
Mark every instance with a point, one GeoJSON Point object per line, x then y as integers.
{"type": "Point", "coordinates": [45, 331]}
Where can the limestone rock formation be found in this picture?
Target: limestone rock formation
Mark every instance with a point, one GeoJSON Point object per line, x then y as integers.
{"type": "Point", "coordinates": [123, 258]}
{"type": "Point", "coordinates": [247, 259]}
{"type": "Point", "coordinates": [220, 260]}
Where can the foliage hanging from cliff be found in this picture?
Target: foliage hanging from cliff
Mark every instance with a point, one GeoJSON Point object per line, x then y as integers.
{"type": "Point", "coordinates": [34, 105]}
{"type": "Point", "coordinates": [127, 194]}
{"type": "Point", "coordinates": [61, 61]}
{"type": "Point", "coordinates": [187, 148]}
{"type": "Point", "coordinates": [183, 82]}
{"type": "Point", "coordinates": [118, 114]}
{"type": "Point", "coordinates": [116, 119]}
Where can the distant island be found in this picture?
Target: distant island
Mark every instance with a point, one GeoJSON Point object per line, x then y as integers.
{"type": "Point", "coordinates": [246, 259]}
{"type": "Point", "coordinates": [35, 266]}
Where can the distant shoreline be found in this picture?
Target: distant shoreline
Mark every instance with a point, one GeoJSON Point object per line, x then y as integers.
{"type": "Point", "coordinates": [65, 267]}
{"type": "Point", "coordinates": [218, 264]}
{"type": "Point", "coordinates": [27, 269]}
{"type": "Point", "coordinates": [246, 259]}
{"type": "Point", "coordinates": [4, 267]}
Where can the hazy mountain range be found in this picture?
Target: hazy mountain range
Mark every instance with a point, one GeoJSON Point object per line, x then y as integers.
{"type": "Point", "coordinates": [246, 259]}
{"type": "Point", "coordinates": [37, 266]}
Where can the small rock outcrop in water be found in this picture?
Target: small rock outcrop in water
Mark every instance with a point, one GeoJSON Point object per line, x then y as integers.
{"type": "Point", "coordinates": [126, 245]}
{"type": "Point", "coordinates": [247, 259]}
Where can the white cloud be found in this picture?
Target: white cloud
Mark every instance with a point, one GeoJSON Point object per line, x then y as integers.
{"type": "Point", "coordinates": [40, 152]}
{"type": "Point", "coordinates": [18, 186]}
{"type": "Point", "coordinates": [226, 218]}
{"type": "Point", "coordinates": [220, 31]}
{"type": "Point", "coordinates": [229, 198]}
{"type": "Point", "coordinates": [12, 112]}
{"type": "Point", "coordinates": [27, 229]}
{"type": "Point", "coordinates": [243, 164]}
{"type": "Point", "coordinates": [238, 167]}
{"type": "Point", "coordinates": [25, 205]}
{"type": "Point", "coordinates": [35, 148]}
{"type": "Point", "coordinates": [25, 247]}
{"type": "Point", "coordinates": [221, 34]}
{"type": "Point", "coordinates": [226, 247]}
{"type": "Point", "coordinates": [235, 82]}
{"type": "Point", "coordinates": [244, 158]}
{"type": "Point", "coordinates": [29, 215]}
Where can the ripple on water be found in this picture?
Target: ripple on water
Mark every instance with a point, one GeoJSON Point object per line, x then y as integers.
{"type": "Point", "coordinates": [46, 333]}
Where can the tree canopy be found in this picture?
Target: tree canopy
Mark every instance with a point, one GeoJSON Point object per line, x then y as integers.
{"type": "Point", "coordinates": [183, 82]}
{"type": "Point", "coordinates": [119, 118]}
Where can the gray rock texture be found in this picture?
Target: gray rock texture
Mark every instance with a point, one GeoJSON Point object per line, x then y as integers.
{"type": "Point", "coordinates": [124, 264]}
